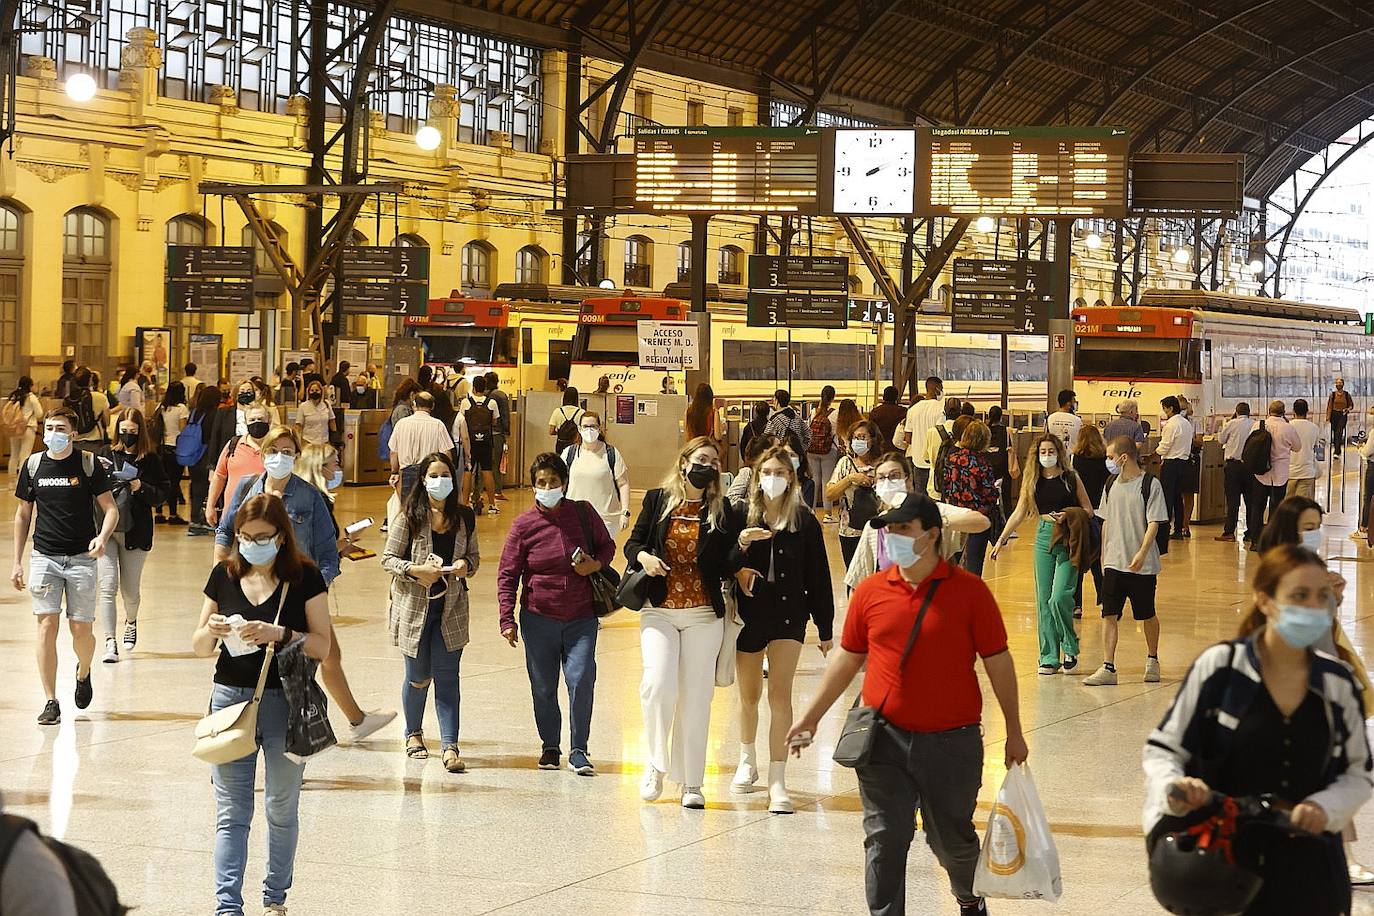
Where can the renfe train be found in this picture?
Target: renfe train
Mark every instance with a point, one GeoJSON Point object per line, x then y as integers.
{"type": "Point", "coordinates": [1219, 350]}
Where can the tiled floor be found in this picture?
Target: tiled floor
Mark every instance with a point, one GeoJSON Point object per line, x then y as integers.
{"type": "Point", "coordinates": [382, 834]}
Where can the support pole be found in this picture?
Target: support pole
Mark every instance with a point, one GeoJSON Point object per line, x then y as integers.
{"type": "Point", "coordinates": [572, 143]}
{"type": "Point", "coordinates": [1060, 363]}
{"type": "Point", "coordinates": [700, 238]}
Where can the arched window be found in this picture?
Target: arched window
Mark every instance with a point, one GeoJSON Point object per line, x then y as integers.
{"type": "Point", "coordinates": [477, 258]}
{"type": "Point", "coordinates": [11, 267]}
{"type": "Point", "coordinates": [86, 286]}
{"type": "Point", "coordinates": [856, 285]}
{"type": "Point", "coordinates": [731, 265]}
{"type": "Point", "coordinates": [591, 265]}
{"type": "Point", "coordinates": [409, 240]}
{"type": "Point", "coordinates": [639, 267]}
{"type": "Point", "coordinates": [530, 264]}
{"type": "Point", "coordinates": [186, 230]}
{"type": "Point", "coordinates": [356, 238]}
{"type": "Point", "coordinates": [684, 262]}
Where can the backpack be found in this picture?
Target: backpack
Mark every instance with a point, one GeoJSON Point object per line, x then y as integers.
{"type": "Point", "coordinates": [822, 434]}
{"type": "Point", "coordinates": [863, 507]}
{"type": "Point", "coordinates": [1162, 532]}
{"type": "Point", "coordinates": [479, 419]}
{"type": "Point", "coordinates": [384, 439]}
{"type": "Point", "coordinates": [1257, 455]}
{"type": "Point", "coordinates": [92, 888]}
{"type": "Point", "coordinates": [947, 443]}
{"type": "Point", "coordinates": [190, 446]}
{"type": "Point", "coordinates": [12, 420]}
{"type": "Point", "coordinates": [79, 402]}
{"type": "Point", "coordinates": [569, 455]}
{"type": "Point", "coordinates": [567, 430]}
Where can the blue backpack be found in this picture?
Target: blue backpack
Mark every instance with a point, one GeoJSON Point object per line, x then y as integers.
{"type": "Point", "coordinates": [384, 440]}
{"type": "Point", "coordinates": [190, 447]}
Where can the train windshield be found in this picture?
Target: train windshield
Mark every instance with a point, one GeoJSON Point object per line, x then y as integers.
{"type": "Point", "coordinates": [483, 346]}
{"type": "Point", "coordinates": [1136, 358]}
{"type": "Point", "coordinates": [606, 343]}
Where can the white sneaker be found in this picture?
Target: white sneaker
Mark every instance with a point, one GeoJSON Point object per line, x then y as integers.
{"type": "Point", "coordinates": [1102, 677]}
{"type": "Point", "coordinates": [746, 775]}
{"type": "Point", "coordinates": [1152, 671]}
{"type": "Point", "coordinates": [779, 802]}
{"type": "Point", "coordinates": [652, 785]}
{"type": "Point", "coordinates": [692, 798]}
{"type": "Point", "coordinates": [111, 651]}
{"type": "Point", "coordinates": [372, 722]}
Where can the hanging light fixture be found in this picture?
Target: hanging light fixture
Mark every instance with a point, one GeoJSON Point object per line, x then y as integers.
{"type": "Point", "coordinates": [428, 137]}
{"type": "Point", "coordinates": [80, 87]}
{"type": "Point", "coordinates": [985, 224]}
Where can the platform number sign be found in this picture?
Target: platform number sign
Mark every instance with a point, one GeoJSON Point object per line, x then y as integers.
{"type": "Point", "coordinates": [1369, 323]}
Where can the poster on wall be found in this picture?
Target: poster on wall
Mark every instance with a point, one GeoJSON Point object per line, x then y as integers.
{"type": "Point", "coordinates": [296, 356]}
{"type": "Point", "coordinates": [155, 346]}
{"type": "Point", "coordinates": [246, 364]}
{"type": "Point", "coordinates": [205, 353]}
{"type": "Point", "coordinates": [351, 350]}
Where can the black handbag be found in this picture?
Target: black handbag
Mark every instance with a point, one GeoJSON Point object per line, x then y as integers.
{"type": "Point", "coordinates": [855, 744]}
{"type": "Point", "coordinates": [605, 581]}
{"type": "Point", "coordinates": [307, 721]}
{"type": "Point", "coordinates": [633, 592]}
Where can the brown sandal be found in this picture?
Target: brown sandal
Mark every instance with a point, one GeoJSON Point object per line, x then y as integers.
{"type": "Point", "coordinates": [415, 747]}
{"type": "Point", "coordinates": [453, 761]}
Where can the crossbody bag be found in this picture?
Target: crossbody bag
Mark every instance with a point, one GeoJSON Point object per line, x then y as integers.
{"type": "Point", "coordinates": [855, 745]}
{"type": "Point", "coordinates": [605, 580]}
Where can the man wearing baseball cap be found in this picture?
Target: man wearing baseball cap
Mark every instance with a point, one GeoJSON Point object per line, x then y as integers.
{"type": "Point", "coordinates": [920, 626]}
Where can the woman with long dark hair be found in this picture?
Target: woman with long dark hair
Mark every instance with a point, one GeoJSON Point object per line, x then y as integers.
{"type": "Point", "coordinates": [1269, 714]}
{"type": "Point", "coordinates": [28, 409]}
{"type": "Point", "coordinates": [431, 552]}
{"type": "Point", "coordinates": [203, 414]}
{"type": "Point", "coordinates": [755, 427]}
{"type": "Point", "coordinates": [130, 390]}
{"type": "Point", "coordinates": [281, 597]}
{"type": "Point", "coordinates": [564, 419]}
{"type": "Point", "coordinates": [166, 424]}
{"type": "Point", "coordinates": [822, 453]}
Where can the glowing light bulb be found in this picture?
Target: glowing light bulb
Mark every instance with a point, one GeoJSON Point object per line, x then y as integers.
{"type": "Point", "coordinates": [1092, 240]}
{"type": "Point", "coordinates": [80, 87]}
{"type": "Point", "coordinates": [985, 224]}
{"type": "Point", "coordinates": [428, 138]}
{"type": "Point", "coordinates": [1256, 266]}
{"type": "Point", "coordinates": [1181, 256]}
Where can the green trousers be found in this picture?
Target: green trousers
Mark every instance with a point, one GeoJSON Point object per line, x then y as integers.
{"type": "Point", "coordinates": [1056, 579]}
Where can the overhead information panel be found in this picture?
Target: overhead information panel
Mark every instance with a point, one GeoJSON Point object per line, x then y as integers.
{"type": "Point", "coordinates": [798, 292]}
{"type": "Point", "coordinates": [210, 278]}
{"type": "Point", "coordinates": [380, 280]}
{"type": "Point", "coordinates": [1001, 297]}
{"type": "Point", "coordinates": [727, 169]}
{"type": "Point", "coordinates": [1022, 171]}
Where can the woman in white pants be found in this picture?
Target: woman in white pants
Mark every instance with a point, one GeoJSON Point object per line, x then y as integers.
{"type": "Point", "coordinates": [31, 409]}
{"type": "Point", "coordinates": [682, 539]}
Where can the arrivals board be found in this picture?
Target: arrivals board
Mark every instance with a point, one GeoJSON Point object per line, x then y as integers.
{"type": "Point", "coordinates": [727, 169]}
{"type": "Point", "coordinates": [1042, 172]}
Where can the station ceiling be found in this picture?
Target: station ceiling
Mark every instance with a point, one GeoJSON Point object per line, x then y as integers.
{"type": "Point", "coordinates": [1277, 80]}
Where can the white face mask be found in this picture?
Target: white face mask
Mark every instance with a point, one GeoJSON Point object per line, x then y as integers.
{"type": "Point", "coordinates": [1113, 468]}
{"type": "Point", "coordinates": [1313, 540]}
{"type": "Point", "coordinates": [889, 491]}
{"type": "Point", "coordinates": [773, 486]}
{"type": "Point", "coordinates": [796, 462]}
{"type": "Point", "coordinates": [858, 446]}
{"type": "Point", "coordinates": [1049, 461]}
{"type": "Point", "coordinates": [589, 434]}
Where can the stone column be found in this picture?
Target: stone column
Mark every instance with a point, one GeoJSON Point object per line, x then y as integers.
{"type": "Point", "coordinates": [139, 63]}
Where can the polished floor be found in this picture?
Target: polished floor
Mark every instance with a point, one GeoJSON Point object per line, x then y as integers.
{"type": "Point", "coordinates": [382, 834]}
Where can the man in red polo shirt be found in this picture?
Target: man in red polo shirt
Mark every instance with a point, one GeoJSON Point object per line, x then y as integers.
{"type": "Point", "coordinates": [928, 751]}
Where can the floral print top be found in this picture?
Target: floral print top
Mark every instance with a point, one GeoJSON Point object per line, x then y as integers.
{"type": "Point", "coordinates": [680, 553]}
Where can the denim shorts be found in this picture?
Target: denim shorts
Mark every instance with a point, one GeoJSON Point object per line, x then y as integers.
{"type": "Point", "coordinates": [51, 578]}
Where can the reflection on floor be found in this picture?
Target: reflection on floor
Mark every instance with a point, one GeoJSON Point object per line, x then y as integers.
{"type": "Point", "coordinates": [383, 834]}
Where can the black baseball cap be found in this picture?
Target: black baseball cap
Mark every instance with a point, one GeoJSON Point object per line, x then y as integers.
{"type": "Point", "coordinates": [913, 507]}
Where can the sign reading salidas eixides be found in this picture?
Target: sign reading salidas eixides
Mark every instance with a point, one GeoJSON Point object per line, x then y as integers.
{"type": "Point", "coordinates": [210, 278]}
{"type": "Point", "coordinates": [384, 280]}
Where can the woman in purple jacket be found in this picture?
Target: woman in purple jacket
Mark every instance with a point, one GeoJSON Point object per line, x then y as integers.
{"type": "Point", "coordinates": [557, 609]}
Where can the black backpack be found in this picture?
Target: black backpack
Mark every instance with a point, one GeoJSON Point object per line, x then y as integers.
{"type": "Point", "coordinates": [1258, 451]}
{"type": "Point", "coordinates": [1162, 532]}
{"type": "Point", "coordinates": [567, 431]}
{"type": "Point", "coordinates": [947, 445]}
{"type": "Point", "coordinates": [79, 402]}
{"type": "Point", "coordinates": [478, 417]}
{"type": "Point", "coordinates": [863, 507]}
{"type": "Point", "coordinates": [92, 888]}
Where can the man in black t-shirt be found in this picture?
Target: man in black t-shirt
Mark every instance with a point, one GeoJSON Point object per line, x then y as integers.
{"type": "Point", "coordinates": [62, 483]}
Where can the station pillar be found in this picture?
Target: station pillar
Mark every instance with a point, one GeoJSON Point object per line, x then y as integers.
{"type": "Point", "coordinates": [1060, 338]}
{"type": "Point", "coordinates": [700, 224]}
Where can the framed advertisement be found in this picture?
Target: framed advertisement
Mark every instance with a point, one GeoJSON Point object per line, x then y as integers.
{"type": "Point", "coordinates": [206, 353]}
{"type": "Point", "coordinates": [155, 346]}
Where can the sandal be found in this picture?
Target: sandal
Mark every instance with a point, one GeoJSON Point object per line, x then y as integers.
{"type": "Point", "coordinates": [415, 747]}
{"type": "Point", "coordinates": [453, 761]}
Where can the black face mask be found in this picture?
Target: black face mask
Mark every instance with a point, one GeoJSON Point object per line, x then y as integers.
{"type": "Point", "coordinates": [316, 395]}
{"type": "Point", "coordinates": [259, 428]}
{"type": "Point", "coordinates": [128, 440]}
{"type": "Point", "coordinates": [701, 476]}
{"type": "Point", "coordinates": [246, 397]}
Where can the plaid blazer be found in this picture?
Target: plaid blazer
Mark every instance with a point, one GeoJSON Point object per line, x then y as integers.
{"type": "Point", "coordinates": [410, 599]}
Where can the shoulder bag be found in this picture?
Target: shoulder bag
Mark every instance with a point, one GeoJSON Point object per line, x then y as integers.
{"type": "Point", "coordinates": [633, 592]}
{"type": "Point", "coordinates": [232, 732]}
{"type": "Point", "coordinates": [855, 744]}
{"type": "Point", "coordinates": [604, 581]}
{"type": "Point", "coordinates": [725, 658]}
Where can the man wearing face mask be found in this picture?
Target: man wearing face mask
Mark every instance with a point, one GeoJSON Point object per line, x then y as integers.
{"type": "Point", "coordinates": [920, 626]}
{"type": "Point", "coordinates": [1132, 512]}
{"type": "Point", "coordinates": [414, 437]}
{"type": "Point", "coordinates": [315, 418]}
{"type": "Point", "coordinates": [61, 484]}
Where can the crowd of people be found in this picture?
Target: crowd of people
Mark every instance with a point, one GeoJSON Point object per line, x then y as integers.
{"type": "Point", "coordinates": [729, 574]}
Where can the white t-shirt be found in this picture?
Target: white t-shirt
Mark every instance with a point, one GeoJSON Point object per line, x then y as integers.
{"type": "Point", "coordinates": [1066, 426]}
{"type": "Point", "coordinates": [590, 479]}
{"type": "Point", "coordinates": [1302, 464]}
{"type": "Point", "coordinates": [919, 419]}
{"type": "Point", "coordinates": [1125, 519]}
{"type": "Point", "coordinates": [173, 422]}
{"type": "Point", "coordinates": [314, 417]}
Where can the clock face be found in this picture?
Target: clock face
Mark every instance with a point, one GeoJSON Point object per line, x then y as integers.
{"type": "Point", "coordinates": [875, 171]}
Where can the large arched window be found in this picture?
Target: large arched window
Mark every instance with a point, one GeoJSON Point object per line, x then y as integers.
{"type": "Point", "coordinates": [639, 265]}
{"type": "Point", "coordinates": [684, 262]}
{"type": "Point", "coordinates": [185, 230]}
{"type": "Point", "coordinates": [477, 266]}
{"type": "Point", "coordinates": [11, 276]}
{"type": "Point", "coordinates": [409, 240]}
{"type": "Point", "coordinates": [732, 265]}
{"type": "Point", "coordinates": [530, 265]}
{"type": "Point", "coordinates": [86, 286]}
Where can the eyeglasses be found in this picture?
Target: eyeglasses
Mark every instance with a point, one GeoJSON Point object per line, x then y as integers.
{"type": "Point", "coordinates": [264, 541]}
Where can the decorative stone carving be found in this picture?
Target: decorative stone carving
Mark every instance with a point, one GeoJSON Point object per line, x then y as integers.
{"type": "Point", "coordinates": [141, 50]}
{"type": "Point", "coordinates": [166, 181]}
{"type": "Point", "coordinates": [131, 180]}
{"type": "Point", "coordinates": [43, 69]}
{"type": "Point", "coordinates": [445, 102]}
{"type": "Point", "coordinates": [145, 224]}
{"type": "Point", "coordinates": [548, 146]}
{"type": "Point", "coordinates": [481, 198]}
{"type": "Point", "coordinates": [49, 173]}
{"type": "Point", "coordinates": [298, 106]}
{"type": "Point", "coordinates": [501, 140]}
{"type": "Point", "coordinates": [226, 98]}
{"type": "Point", "coordinates": [376, 125]}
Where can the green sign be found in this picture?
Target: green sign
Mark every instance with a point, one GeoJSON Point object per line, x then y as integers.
{"type": "Point", "coordinates": [1369, 323]}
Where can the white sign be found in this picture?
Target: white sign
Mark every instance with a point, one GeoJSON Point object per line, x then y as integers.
{"type": "Point", "coordinates": [245, 364]}
{"type": "Point", "coordinates": [667, 345]}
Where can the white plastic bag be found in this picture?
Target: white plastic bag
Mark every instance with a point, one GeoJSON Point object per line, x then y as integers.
{"type": "Point", "coordinates": [1018, 861]}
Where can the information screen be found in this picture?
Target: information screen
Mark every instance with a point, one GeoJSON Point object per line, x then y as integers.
{"type": "Point", "coordinates": [727, 169]}
{"type": "Point", "coordinates": [1022, 171]}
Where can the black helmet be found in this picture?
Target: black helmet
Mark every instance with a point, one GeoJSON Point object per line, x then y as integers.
{"type": "Point", "coordinates": [1193, 877]}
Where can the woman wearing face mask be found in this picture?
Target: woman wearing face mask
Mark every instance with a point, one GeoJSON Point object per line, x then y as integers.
{"type": "Point", "coordinates": [971, 483]}
{"type": "Point", "coordinates": [241, 457]}
{"type": "Point", "coordinates": [851, 485]}
{"type": "Point", "coordinates": [797, 455]}
{"type": "Point", "coordinates": [892, 480]}
{"type": "Point", "coordinates": [1090, 464]}
{"type": "Point", "coordinates": [140, 483]}
{"type": "Point", "coordinates": [598, 474]}
{"type": "Point", "coordinates": [551, 549]}
{"type": "Point", "coordinates": [784, 575]}
{"type": "Point", "coordinates": [737, 493]}
{"type": "Point", "coordinates": [431, 552]}
{"type": "Point", "coordinates": [282, 597]}
{"type": "Point", "coordinates": [1047, 489]}
{"type": "Point", "coordinates": [1267, 714]}
{"type": "Point", "coordinates": [312, 523]}
{"type": "Point", "coordinates": [682, 540]}
{"type": "Point", "coordinates": [315, 418]}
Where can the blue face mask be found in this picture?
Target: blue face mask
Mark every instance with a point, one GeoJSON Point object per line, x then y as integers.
{"type": "Point", "coordinates": [1113, 468]}
{"type": "Point", "coordinates": [1301, 626]}
{"type": "Point", "coordinates": [56, 441]}
{"type": "Point", "coordinates": [278, 466]}
{"type": "Point", "coordinates": [256, 554]}
{"type": "Point", "coordinates": [439, 487]}
{"type": "Point", "coordinates": [550, 497]}
{"type": "Point", "coordinates": [901, 550]}
{"type": "Point", "coordinates": [336, 481]}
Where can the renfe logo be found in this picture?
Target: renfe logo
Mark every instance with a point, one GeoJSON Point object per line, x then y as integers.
{"type": "Point", "coordinates": [1131, 392]}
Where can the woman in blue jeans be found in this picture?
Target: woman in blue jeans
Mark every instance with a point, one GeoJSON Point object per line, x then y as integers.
{"type": "Point", "coordinates": [280, 596]}
{"type": "Point", "coordinates": [431, 551]}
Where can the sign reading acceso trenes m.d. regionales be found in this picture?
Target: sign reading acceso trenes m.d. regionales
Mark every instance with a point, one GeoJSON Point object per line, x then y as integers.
{"type": "Point", "coordinates": [667, 344]}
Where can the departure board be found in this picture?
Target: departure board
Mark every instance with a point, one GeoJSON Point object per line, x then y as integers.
{"type": "Point", "coordinates": [1022, 171]}
{"type": "Point", "coordinates": [727, 169]}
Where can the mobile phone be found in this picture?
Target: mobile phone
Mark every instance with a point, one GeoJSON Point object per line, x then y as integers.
{"type": "Point", "coordinates": [577, 555]}
{"type": "Point", "coordinates": [800, 740]}
{"type": "Point", "coordinates": [361, 524]}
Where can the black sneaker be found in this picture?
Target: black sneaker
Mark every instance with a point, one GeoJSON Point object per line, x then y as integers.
{"type": "Point", "coordinates": [84, 691]}
{"type": "Point", "coordinates": [51, 714]}
{"type": "Point", "coordinates": [550, 759]}
{"type": "Point", "coordinates": [978, 908]}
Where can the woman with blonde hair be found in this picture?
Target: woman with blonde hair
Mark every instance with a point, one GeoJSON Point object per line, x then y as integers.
{"type": "Point", "coordinates": [1048, 487]}
{"type": "Point", "coordinates": [778, 536]}
{"type": "Point", "coordinates": [682, 541]}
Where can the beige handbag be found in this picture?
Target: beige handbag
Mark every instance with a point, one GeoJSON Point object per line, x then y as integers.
{"type": "Point", "coordinates": [232, 732]}
{"type": "Point", "coordinates": [725, 658]}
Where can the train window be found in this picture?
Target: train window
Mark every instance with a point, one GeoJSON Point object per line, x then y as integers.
{"type": "Point", "coordinates": [560, 359]}
{"type": "Point", "coordinates": [1190, 359]}
{"type": "Point", "coordinates": [927, 361]}
{"type": "Point", "coordinates": [971, 364]}
{"type": "Point", "coordinates": [527, 344]}
{"type": "Point", "coordinates": [830, 361]}
{"type": "Point", "coordinates": [456, 346]}
{"type": "Point", "coordinates": [1242, 379]}
{"type": "Point", "coordinates": [752, 360]}
{"type": "Point", "coordinates": [608, 343]}
{"type": "Point", "coordinates": [1129, 358]}
{"type": "Point", "coordinates": [506, 352]}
